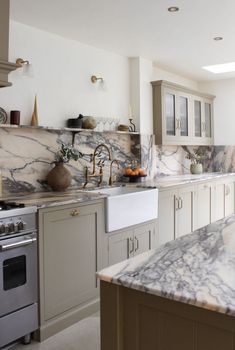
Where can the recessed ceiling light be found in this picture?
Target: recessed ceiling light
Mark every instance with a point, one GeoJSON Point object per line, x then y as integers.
{"type": "Point", "coordinates": [218, 38]}
{"type": "Point", "coordinates": [221, 68]}
{"type": "Point", "coordinates": [173, 9]}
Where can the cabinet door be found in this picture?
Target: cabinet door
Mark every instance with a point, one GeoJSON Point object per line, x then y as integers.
{"type": "Point", "coordinates": [70, 257]}
{"type": "Point", "coordinates": [171, 124]}
{"type": "Point", "coordinates": [203, 206]}
{"type": "Point", "coordinates": [198, 117]}
{"type": "Point", "coordinates": [208, 119]}
{"type": "Point", "coordinates": [121, 246]}
{"type": "Point", "coordinates": [166, 216]}
{"type": "Point", "coordinates": [143, 236]}
{"type": "Point", "coordinates": [184, 114]}
{"type": "Point", "coordinates": [229, 198]}
{"type": "Point", "coordinates": [185, 211]}
{"type": "Point", "coordinates": [217, 201]}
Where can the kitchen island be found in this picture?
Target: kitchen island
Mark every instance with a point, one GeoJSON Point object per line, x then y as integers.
{"type": "Point", "coordinates": [179, 296]}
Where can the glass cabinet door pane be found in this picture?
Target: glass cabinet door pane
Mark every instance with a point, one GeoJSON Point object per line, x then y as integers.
{"type": "Point", "coordinates": [183, 116]}
{"type": "Point", "coordinates": [170, 114]}
{"type": "Point", "coordinates": [208, 119]}
{"type": "Point", "coordinates": [198, 118]}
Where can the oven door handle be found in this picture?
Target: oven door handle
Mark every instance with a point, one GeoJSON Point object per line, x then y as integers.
{"type": "Point", "coordinates": [4, 247]}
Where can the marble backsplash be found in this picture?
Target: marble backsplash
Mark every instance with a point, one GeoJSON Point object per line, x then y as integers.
{"type": "Point", "coordinates": [171, 160]}
{"type": "Point", "coordinates": [27, 155]}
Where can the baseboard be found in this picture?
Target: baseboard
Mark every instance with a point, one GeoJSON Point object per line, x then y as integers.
{"type": "Point", "coordinates": [66, 319]}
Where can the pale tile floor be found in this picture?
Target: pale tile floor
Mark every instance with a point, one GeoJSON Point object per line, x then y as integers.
{"type": "Point", "coordinates": [84, 335]}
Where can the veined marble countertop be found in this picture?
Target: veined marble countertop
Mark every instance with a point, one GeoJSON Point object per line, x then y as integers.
{"type": "Point", "coordinates": [164, 181]}
{"type": "Point", "coordinates": [197, 269]}
{"type": "Point", "coordinates": [52, 199]}
{"type": "Point", "coordinates": [49, 199]}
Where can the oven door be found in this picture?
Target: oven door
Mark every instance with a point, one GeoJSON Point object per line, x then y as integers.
{"type": "Point", "coordinates": [18, 273]}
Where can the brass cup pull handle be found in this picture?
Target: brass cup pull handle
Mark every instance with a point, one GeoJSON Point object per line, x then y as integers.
{"type": "Point", "coordinates": [75, 212]}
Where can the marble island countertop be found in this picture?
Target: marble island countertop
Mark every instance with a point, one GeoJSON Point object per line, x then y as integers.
{"type": "Point", "coordinates": [197, 269]}
{"type": "Point", "coordinates": [165, 181]}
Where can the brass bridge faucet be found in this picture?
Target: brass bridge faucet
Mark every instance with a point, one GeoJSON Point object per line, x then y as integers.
{"type": "Point", "coordinates": [97, 152]}
{"type": "Point", "coordinates": [111, 170]}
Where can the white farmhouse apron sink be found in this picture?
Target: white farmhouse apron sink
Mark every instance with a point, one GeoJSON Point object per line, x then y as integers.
{"type": "Point", "coordinates": [127, 206]}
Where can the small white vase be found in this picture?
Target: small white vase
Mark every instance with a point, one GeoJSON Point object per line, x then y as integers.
{"type": "Point", "coordinates": [196, 168]}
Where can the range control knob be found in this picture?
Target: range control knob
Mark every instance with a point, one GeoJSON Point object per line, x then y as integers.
{"type": "Point", "coordinates": [2, 229]}
{"type": "Point", "coordinates": [11, 227]}
{"type": "Point", "coordinates": [21, 225]}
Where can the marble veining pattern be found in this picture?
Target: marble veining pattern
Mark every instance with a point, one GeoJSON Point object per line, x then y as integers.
{"type": "Point", "coordinates": [176, 180]}
{"type": "Point", "coordinates": [197, 269]}
{"type": "Point", "coordinates": [27, 155]}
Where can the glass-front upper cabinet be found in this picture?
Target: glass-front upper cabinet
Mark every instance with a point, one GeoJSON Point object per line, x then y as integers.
{"type": "Point", "coordinates": [176, 115]}
{"type": "Point", "coordinates": [170, 112]}
{"type": "Point", "coordinates": [181, 116]}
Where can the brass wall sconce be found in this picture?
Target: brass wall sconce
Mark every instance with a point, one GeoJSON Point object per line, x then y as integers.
{"type": "Point", "coordinates": [27, 67]}
{"type": "Point", "coordinates": [21, 62]}
{"type": "Point", "coordinates": [94, 79]}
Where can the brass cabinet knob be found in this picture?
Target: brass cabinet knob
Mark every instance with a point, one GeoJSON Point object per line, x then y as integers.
{"type": "Point", "coordinates": [75, 212]}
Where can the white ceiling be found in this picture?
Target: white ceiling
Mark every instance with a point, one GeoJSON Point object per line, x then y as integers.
{"type": "Point", "coordinates": [181, 42]}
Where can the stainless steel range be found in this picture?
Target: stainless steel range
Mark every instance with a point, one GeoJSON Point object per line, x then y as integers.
{"type": "Point", "coordinates": [18, 272]}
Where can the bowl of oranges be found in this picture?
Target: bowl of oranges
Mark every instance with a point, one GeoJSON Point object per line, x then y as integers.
{"type": "Point", "coordinates": [135, 173]}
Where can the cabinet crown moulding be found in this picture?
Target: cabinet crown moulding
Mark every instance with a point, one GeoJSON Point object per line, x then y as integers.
{"type": "Point", "coordinates": [175, 86]}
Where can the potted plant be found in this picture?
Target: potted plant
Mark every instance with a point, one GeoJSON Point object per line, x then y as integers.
{"type": "Point", "coordinates": [59, 178]}
{"type": "Point", "coordinates": [196, 157]}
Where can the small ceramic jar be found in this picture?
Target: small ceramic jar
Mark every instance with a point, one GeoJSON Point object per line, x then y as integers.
{"type": "Point", "coordinates": [196, 168]}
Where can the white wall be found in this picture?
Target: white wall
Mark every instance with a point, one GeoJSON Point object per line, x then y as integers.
{"type": "Point", "coordinates": [224, 109]}
{"type": "Point", "coordinates": [62, 71]}
{"type": "Point", "coordinates": [161, 74]}
{"type": "Point", "coordinates": [142, 72]}
{"type": "Point", "coordinates": [135, 90]}
{"type": "Point", "coordinates": [146, 105]}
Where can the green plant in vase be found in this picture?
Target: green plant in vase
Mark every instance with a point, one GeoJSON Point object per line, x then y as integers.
{"type": "Point", "coordinates": [196, 157]}
{"type": "Point", "coordinates": [66, 153]}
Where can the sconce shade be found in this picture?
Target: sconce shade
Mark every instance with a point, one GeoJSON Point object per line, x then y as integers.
{"type": "Point", "coordinates": [27, 69]}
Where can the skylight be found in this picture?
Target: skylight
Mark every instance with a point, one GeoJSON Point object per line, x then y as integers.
{"type": "Point", "coordinates": [221, 68]}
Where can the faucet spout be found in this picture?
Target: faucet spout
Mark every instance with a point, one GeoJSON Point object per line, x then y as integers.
{"type": "Point", "coordinates": [111, 170]}
{"type": "Point", "coordinates": [99, 148]}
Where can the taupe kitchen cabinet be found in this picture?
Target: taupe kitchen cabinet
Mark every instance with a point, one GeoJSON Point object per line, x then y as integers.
{"type": "Point", "coordinates": [218, 200]}
{"type": "Point", "coordinates": [186, 208]}
{"type": "Point", "coordinates": [214, 200]}
{"type": "Point", "coordinates": [72, 248]}
{"type": "Point", "coordinates": [223, 196]}
{"type": "Point", "coordinates": [203, 200]}
{"type": "Point", "coordinates": [176, 213]}
{"type": "Point", "coordinates": [181, 116]}
{"type": "Point", "coordinates": [229, 197]}
{"type": "Point", "coordinates": [203, 120]}
{"type": "Point", "coordinates": [124, 244]}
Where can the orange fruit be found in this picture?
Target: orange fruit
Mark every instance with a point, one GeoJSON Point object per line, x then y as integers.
{"type": "Point", "coordinates": [141, 171]}
{"type": "Point", "coordinates": [128, 171]}
{"type": "Point", "coordinates": [135, 172]}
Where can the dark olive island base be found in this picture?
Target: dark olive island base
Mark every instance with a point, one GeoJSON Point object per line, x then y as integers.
{"type": "Point", "coordinates": [134, 320]}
